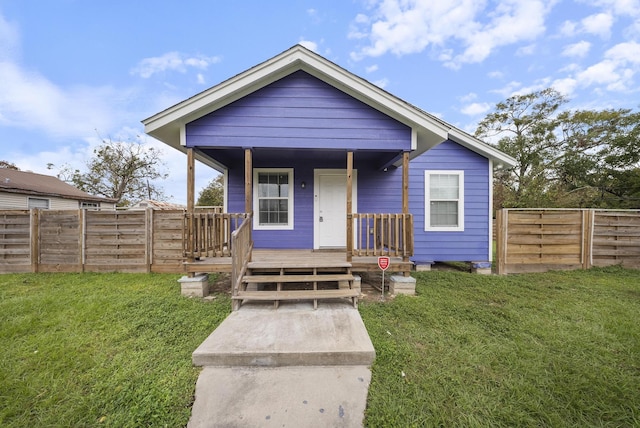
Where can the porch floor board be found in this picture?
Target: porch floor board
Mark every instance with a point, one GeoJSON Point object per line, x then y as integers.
{"type": "Point", "coordinates": [305, 259]}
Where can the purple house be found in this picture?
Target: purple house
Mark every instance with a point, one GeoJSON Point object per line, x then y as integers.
{"type": "Point", "coordinates": [321, 159]}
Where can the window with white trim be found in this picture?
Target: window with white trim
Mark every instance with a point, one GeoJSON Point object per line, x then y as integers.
{"type": "Point", "coordinates": [273, 198]}
{"type": "Point", "coordinates": [38, 203]}
{"type": "Point", "coordinates": [444, 201]}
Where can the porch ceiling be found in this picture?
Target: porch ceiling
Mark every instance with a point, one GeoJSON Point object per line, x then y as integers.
{"type": "Point", "coordinates": [234, 157]}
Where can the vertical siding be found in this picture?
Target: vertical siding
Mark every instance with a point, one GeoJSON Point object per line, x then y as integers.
{"type": "Point", "coordinates": [472, 244]}
{"type": "Point", "coordinates": [299, 111]}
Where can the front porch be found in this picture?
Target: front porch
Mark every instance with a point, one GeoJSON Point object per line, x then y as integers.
{"type": "Point", "coordinates": [214, 242]}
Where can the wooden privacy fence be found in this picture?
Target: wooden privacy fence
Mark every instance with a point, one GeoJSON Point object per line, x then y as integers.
{"type": "Point", "coordinates": [537, 240]}
{"type": "Point", "coordinates": [91, 241]}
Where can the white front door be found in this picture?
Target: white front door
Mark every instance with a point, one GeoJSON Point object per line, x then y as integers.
{"type": "Point", "coordinates": [330, 207]}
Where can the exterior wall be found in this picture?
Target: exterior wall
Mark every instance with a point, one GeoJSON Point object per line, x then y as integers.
{"type": "Point", "coordinates": [301, 237]}
{"type": "Point", "coordinates": [473, 243]}
{"type": "Point", "coordinates": [380, 191]}
{"type": "Point", "coordinates": [12, 200]}
{"type": "Point", "coordinates": [18, 201]}
{"type": "Point", "coordinates": [298, 111]}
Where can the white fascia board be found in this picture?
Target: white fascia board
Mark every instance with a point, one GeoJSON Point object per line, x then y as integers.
{"type": "Point", "coordinates": [481, 147]}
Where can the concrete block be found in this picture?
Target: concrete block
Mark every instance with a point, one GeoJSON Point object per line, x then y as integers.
{"type": "Point", "coordinates": [198, 286]}
{"type": "Point", "coordinates": [481, 268]}
{"type": "Point", "coordinates": [402, 285]}
{"type": "Point", "coordinates": [423, 266]}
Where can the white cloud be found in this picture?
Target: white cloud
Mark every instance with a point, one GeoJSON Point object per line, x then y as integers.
{"type": "Point", "coordinates": [616, 71]}
{"type": "Point", "coordinates": [9, 39]}
{"type": "Point", "coordinates": [599, 24]}
{"type": "Point", "coordinates": [526, 50]}
{"type": "Point", "coordinates": [403, 27]}
{"type": "Point", "coordinates": [496, 74]}
{"type": "Point", "coordinates": [580, 49]}
{"type": "Point", "coordinates": [312, 46]}
{"type": "Point", "coordinates": [172, 61]}
{"type": "Point", "coordinates": [371, 68]}
{"type": "Point", "coordinates": [382, 83]}
{"type": "Point", "coordinates": [568, 29]}
{"type": "Point", "coordinates": [29, 100]}
{"type": "Point", "coordinates": [469, 97]}
{"type": "Point", "coordinates": [201, 79]}
{"type": "Point", "coordinates": [565, 86]}
{"type": "Point", "coordinates": [475, 109]}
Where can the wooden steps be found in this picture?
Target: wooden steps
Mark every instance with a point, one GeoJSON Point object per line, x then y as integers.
{"type": "Point", "coordinates": [297, 279]}
{"type": "Point", "coordinates": [297, 294]}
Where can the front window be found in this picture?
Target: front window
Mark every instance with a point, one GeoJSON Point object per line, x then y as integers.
{"type": "Point", "coordinates": [444, 200]}
{"type": "Point", "coordinates": [273, 198]}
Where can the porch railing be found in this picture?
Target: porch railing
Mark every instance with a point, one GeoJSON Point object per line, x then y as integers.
{"type": "Point", "coordinates": [241, 249]}
{"type": "Point", "coordinates": [382, 235]}
{"type": "Point", "coordinates": [207, 233]}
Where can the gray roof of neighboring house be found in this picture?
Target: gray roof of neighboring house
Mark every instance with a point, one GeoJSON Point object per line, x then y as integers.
{"type": "Point", "coordinates": [30, 183]}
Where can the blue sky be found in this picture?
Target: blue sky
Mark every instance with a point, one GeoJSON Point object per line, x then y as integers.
{"type": "Point", "coordinates": [75, 71]}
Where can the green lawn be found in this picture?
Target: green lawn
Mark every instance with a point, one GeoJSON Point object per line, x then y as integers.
{"type": "Point", "coordinates": [554, 349]}
{"type": "Point", "coordinates": [99, 349]}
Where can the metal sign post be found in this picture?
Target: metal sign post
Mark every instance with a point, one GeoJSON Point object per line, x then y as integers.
{"type": "Point", "coordinates": [383, 263]}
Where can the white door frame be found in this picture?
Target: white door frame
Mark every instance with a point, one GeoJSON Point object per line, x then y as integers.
{"type": "Point", "coordinates": [316, 200]}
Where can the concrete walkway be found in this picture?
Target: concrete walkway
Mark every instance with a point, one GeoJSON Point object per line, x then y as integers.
{"type": "Point", "coordinates": [290, 367]}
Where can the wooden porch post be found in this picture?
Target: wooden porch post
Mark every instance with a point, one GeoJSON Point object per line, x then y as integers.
{"type": "Point", "coordinates": [405, 183]}
{"type": "Point", "coordinates": [349, 206]}
{"type": "Point", "coordinates": [248, 181]}
{"type": "Point", "coordinates": [191, 184]}
{"type": "Point", "coordinates": [408, 234]}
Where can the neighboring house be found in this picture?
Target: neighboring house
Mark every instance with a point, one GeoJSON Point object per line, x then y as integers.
{"type": "Point", "coordinates": [303, 143]}
{"type": "Point", "coordinates": [26, 190]}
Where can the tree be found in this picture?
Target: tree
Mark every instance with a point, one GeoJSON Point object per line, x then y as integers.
{"type": "Point", "coordinates": [526, 126]}
{"type": "Point", "coordinates": [212, 194]}
{"type": "Point", "coordinates": [8, 165]}
{"type": "Point", "coordinates": [601, 167]}
{"type": "Point", "coordinates": [579, 158]}
{"type": "Point", "coordinates": [120, 170]}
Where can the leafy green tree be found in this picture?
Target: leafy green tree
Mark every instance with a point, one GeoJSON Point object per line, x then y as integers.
{"type": "Point", "coordinates": [579, 158]}
{"type": "Point", "coordinates": [602, 163]}
{"type": "Point", "coordinates": [525, 127]}
{"type": "Point", "coordinates": [124, 171]}
{"type": "Point", "coordinates": [213, 193]}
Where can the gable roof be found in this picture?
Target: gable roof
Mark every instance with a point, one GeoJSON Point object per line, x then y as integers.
{"type": "Point", "coordinates": [30, 183]}
{"type": "Point", "coordinates": [168, 125]}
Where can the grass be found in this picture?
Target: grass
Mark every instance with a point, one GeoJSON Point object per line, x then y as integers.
{"type": "Point", "coordinates": [99, 349]}
{"type": "Point", "coordinates": [553, 349]}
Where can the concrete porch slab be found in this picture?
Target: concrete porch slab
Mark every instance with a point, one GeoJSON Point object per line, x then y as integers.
{"type": "Point", "coordinates": [281, 396]}
{"type": "Point", "coordinates": [292, 335]}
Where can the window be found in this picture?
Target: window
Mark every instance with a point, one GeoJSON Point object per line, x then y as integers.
{"type": "Point", "coordinates": [444, 201]}
{"type": "Point", "coordinates": [38, 203]}
{"type": "Point", "coordinates": [273, 198]}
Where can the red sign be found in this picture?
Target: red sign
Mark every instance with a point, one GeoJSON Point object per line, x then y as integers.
{"type": "Point", "coordinates": [384, 262]}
